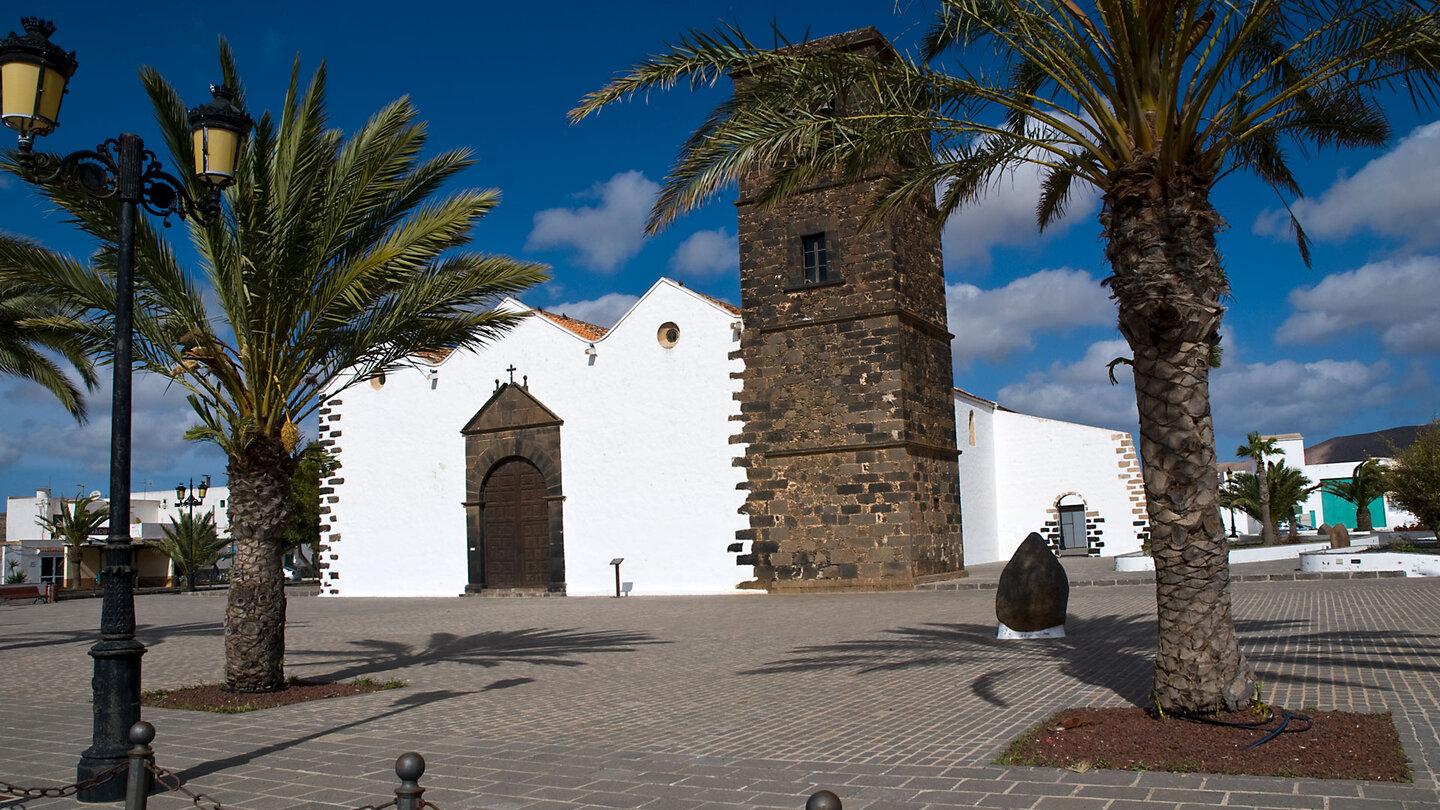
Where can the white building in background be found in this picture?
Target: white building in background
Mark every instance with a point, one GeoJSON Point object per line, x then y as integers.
{"type": "Point", "coordinates": [44, 558]}
{"type": "Point", "coordinates": [532, 463]}
{"type": "Point", "coordinates": [1332, 460]}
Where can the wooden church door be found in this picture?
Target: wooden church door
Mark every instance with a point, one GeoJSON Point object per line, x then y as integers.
{"type": "Point", "coordinates": [516, 527]}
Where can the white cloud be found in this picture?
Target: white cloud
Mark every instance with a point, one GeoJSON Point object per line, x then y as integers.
{"type": "Point", "coordinates": [1006, 214]}
{"type": "Point", "coordinates": [707, 253]}
{"type": "Point", "coordinates": [1284, 396]}
{"type": "Point", "coordinates": [992, 324]}
{"type": "Point", "coordinates": [1288, 396]}
{"type": "Point", "coordinates": [604, 235]}
{"type": "Point", "coordinates": [38, 433]}
{"type": "Point", "coordinates": [1080, 391]}
{"type": "Point", "coordinates": [1393, 195]}
{"type": "Point", "coordinates": [603, 311]}
{"type": "Point", "coordinates": [1396, 298]}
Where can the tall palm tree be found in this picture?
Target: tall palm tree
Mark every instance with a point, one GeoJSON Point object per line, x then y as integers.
{"type": "Point", "coordinates": [31, 324]}
{"type": "Point", "coordinates": [76, 523]}
{"type": "Point", "coordinates": [1149, 102]}
{"type": "Point", "coordinates": [1260, 448]}
{"type": "Point", "coordinates": [1366, 483]}
{"type": "Point", "coordinates": [337, 258]}
{"type": "Point", "coordinates": [192, 543]}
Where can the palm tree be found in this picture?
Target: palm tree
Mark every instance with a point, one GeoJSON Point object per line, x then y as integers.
{"type": "Point", "coordinates": [192, 543]}
{"type": "Point", "coordinates": [30, 325]}
{"type": "Point", "coordinates": [1366, 483]}
{"type": "Point", "coordinates": [1288, 490]}
{"type": "Point", "coordinates": [1151, 103]}
{"type": "Point", "coordinates": [338, 258]}
{"type": "Point", "coordinates": [76, 523]}
{"type": "Point", "coordinates": [1259, 448]}
{"type": "Point", "coordinates": [1285, 489]}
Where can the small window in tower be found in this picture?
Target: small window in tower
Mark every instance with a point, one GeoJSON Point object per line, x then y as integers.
{"type": "Point", "coordinates": [817, 264]}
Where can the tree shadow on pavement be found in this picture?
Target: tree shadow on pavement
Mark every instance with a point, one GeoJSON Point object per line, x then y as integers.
{"type": "Point", "coordinates": [540, 646]}
{"type": "Point", "coordinates": [400, 705]}
{"type": "Point", "coordinates": [150, 635]}
{"type": "Point", "coordinates": [1113, 653]}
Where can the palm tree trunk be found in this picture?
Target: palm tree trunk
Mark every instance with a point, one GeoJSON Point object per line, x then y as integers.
{"type": "Point", "coordinates": [1267, 522]}
{"type": "Point", "coordinates": [1168, 283]}
{"type": "Point", "coordinates": [1363, 521]}
{"type": "Point", "coordinates": [255, 615]}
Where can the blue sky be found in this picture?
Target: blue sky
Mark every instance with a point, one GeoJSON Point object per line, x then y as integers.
{"type": "Point", "coordinates": [1350, 345]}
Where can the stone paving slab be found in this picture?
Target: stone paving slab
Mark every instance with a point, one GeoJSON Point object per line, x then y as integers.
{"type": "Point", "coordinates": [691, 703]}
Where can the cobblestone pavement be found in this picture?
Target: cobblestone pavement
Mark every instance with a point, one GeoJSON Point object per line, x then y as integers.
{"type": "Point", "coordinates": [715, 703]}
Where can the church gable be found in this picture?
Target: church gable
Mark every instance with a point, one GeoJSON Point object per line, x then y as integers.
{"type": "Point", "coordinates": [511, 408]}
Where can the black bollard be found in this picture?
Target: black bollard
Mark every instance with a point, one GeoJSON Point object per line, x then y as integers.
{"type": "Point", "coordinates": [137, 787]}
{"type": "Point", "coordinates": [409, 767]}
{"type": "Point", "coordinates": [823, 800]}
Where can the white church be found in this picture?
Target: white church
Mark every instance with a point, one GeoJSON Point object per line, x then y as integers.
{"type": "Point", "coordinates": [621, 444]}
{"type": "Point", "coordinates": [817, 425]}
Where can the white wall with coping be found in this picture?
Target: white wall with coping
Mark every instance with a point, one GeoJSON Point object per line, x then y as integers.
{"type": "Point", "coordinates": [646, 458]}
{"type": "Point", "coordinates": [1250, 554]}
{"type": "Point", "coordinates": [1345, 559]}
{"type": "Point", "coordinates": [1022, 465]}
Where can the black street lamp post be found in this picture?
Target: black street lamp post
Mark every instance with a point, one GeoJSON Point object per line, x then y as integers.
{"type": "Point", "coordinates": [1229, 476]}
{"type": "Point", "coordinates": [196, 498]}
{"type": "Point", "coordinates": [33, 75]}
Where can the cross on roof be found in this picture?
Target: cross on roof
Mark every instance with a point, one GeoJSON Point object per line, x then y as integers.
{"type": "Point", "coordinates": [512, 371]}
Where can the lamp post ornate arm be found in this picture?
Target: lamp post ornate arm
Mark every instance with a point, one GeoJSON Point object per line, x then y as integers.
{"type": "Point", "coordinates": [109, 171]}
{"type": "Point", "coordinates": [33, 77]}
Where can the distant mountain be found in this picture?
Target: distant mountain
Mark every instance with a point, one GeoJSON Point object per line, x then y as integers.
{"type": "Point", "coordinates": [1357, 448]}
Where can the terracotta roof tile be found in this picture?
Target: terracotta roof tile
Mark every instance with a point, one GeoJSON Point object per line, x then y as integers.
{"type": "Point", "coordinates": [730, 308]}
{"type": "Point", "coordinates": [589, 331]}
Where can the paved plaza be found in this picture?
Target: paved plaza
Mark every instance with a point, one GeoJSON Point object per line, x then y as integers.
{"type": "Point", "coordinates": [708, 703]}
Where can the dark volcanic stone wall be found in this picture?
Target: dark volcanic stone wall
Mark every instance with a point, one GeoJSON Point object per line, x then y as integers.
{"type": "Point", "coordinates": [849, 418]}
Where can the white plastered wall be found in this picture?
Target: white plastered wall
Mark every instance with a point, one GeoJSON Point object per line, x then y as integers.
{"type": "Point", "coordinates": [979, 501]}
{"type": "Point", "coordinates": [645, 456]}
{"type": "Point", "coordinates": [1040, 460]}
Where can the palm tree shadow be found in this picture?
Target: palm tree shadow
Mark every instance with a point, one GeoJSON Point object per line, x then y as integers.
{"type": "Point", "coordinates": [402, 704]}
{"type": "Point", "coordinates": [539, 646]}
{"type": "Point", "coordinates": [1112, 653]}
{"type": "Point", "coordinates": [150, 635]}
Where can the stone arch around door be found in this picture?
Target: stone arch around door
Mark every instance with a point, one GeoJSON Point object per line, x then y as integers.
{"type": "Point", "coordinates": [513, 485]}
{"type": "Point", "coordinates": [1072, 528]}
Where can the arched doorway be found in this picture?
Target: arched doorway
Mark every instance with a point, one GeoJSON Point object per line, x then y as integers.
{"type": "Point", "coordinates": [1072, 525]}
{"type": "Point", "coordinates": [516, 526]}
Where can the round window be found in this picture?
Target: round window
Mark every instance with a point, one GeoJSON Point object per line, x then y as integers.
{"type": "Point", "coordinates": [668, 335]}
{"type": "Point", "coordinates": [378, 381]}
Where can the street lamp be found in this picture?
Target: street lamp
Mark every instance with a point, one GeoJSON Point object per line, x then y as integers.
{"type": "Point", "coordinates": [1229, 477]}
{"type": "Point", "coordinates": [192, 501]}
{"type": "Point", "coordinates": [33, 75]}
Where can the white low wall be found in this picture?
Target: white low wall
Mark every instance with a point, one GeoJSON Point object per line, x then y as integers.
{"type": "Point", "coordinates": [1249, 554]}
{"type": "Point", "coordinates": [1346, 559]}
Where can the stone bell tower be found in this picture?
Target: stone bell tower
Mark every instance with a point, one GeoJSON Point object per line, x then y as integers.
{"type": "Point", "coordinates": [849, 418]}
